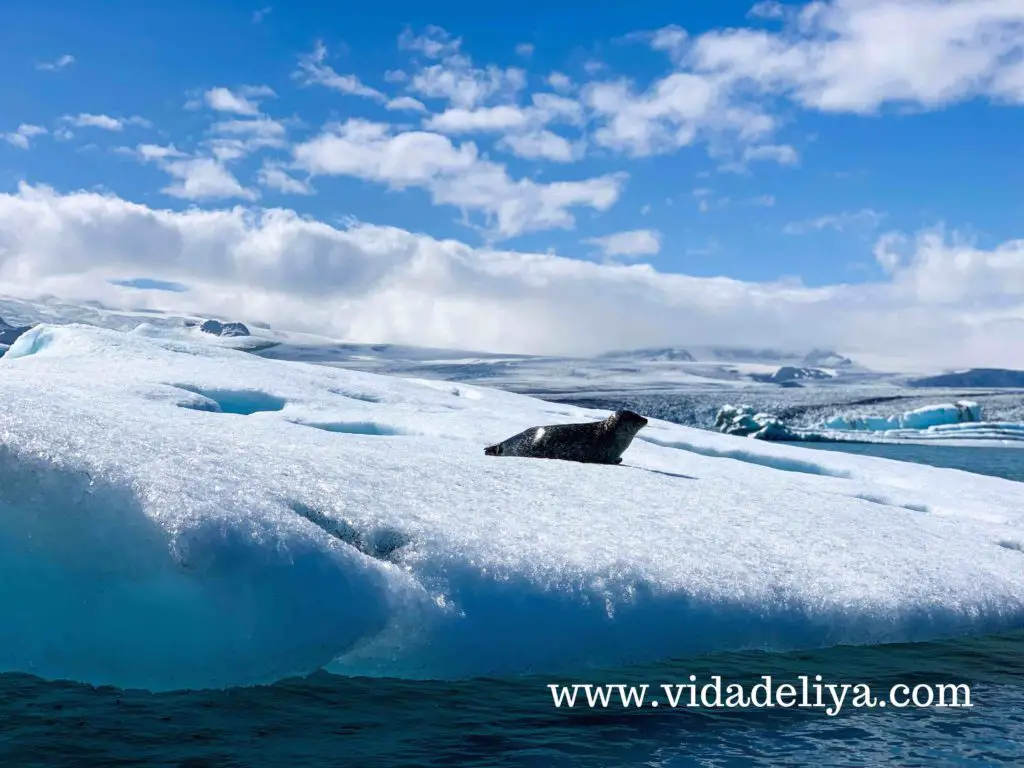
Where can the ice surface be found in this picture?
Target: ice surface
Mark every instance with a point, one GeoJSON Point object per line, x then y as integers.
{"type": "Point", "coordinates": [177, 514]}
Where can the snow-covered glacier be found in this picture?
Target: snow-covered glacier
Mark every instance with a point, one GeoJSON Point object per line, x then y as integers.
{"type": "Point", "coordinates": [175, 514]}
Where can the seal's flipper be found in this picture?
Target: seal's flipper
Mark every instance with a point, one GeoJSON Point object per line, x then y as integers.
{"type": "Point", "coordinates": [491, 450]}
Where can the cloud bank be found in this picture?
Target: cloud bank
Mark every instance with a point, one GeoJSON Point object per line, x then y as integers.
{"type": "Point", "coordinates": [944, 302]}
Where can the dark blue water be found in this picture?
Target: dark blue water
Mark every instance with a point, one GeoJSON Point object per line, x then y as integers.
{"type": "Point", "coordinates": [325, 720]}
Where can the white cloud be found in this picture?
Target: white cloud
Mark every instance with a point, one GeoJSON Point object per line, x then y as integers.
{"type": "Point", "coordinates": [852, 56]}
{"type": "Point", "coordinates": [768, 9]}
{"type": "Point", "coordinates": [858, 55]}
{"type": "Point", "coordinates": [58, 64]}
{"type": "Point", "coordinates": [522, 127]}
{"type": "Point", "coordinates": [261, 14]}
{"type": "Point", "coordinates": [155, 152]}
{"type": "Point", "coordinates": [369, 151]}
{"type": "Point", "coordinates": [203, 178]}
{"type": "Point", "coordinates": [454, 78]}
{"type": "Point", "coordinates": [406, 103]}
{"type": "Point", "coordinates": [863, 220]}
{"type": "Point", "coordinates": [275, 177]}
{"type": "Point", "coordinates": [104, 122]}
{"type": "Point", "coordinates": [541, 145]}
{"type": "Point", "coordinates": [22, 137]}
{"type": "Point", "coordinates": [195, 177]}
{"type": "Point", "coordinates": [262, 127]}
{"type": "Point", "coordinates": [454, 175]}
{"type": "Point", "coordinates": [631, 244]}
{"type": "Point", "coordinates": [946, 302]}
{"type": "Point", "coordinates": [314, 71]}
{"type": "Point", "coordinates": [783, 154]}
{"type": "Point", "coordinates": [765, 201]}
{"type": "Point", "coordinates": [434, 43]}
{"type": "Point", "coordinates": [525, 50]}
{"type": "Point", "coordinates": [466, 86]}
{"type": "Point", "coordinates": [243, 101]}
{"type": "Point", "coordinates": [673, 113]}
{"type": "Point", "coordinates": [548, 107]}
{"type": "Point", "coordinates": [458, 120]}
{"type": "Point", "coordinates": [560, 82]}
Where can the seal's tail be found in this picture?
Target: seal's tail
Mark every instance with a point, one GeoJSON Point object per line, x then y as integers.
{"type": "Point", "coordinates": [491, 450]}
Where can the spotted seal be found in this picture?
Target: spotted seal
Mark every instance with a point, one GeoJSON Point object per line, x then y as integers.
{"type": "Point", "coordinates": [600, 442]}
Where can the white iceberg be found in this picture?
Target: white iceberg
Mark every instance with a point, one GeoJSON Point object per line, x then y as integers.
{"type": "Point", "coordinates": [174, 515]}
{"type": "Point", "coordinates": [960, 412]}
{"type": "Point", "coordinates": [957, 423]}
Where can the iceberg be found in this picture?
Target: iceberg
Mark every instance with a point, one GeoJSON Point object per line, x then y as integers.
{"type": "Point", "coordinates": [958, 423]}
{"type": "Point", "coordinates": [963, 411]}
{"type": "Point", "coordinates": [176, 514]}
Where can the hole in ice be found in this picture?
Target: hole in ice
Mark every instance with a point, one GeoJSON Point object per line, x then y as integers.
{"type": "Point", "coordinates": [380, 543]}
{"type": "Point", "coordinates": [352, 427]}
{"type": "Point", "coordinates": [773, 462]}
{"type": "Point", "coordinates": [1011, 544]}
{"type": "Point", "coordinates": [243, 402]}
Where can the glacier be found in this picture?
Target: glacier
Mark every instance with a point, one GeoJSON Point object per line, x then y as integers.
{"type": "Point", "coordinates": [960, 423]}
{"type": "Point", "coordinates": [177, 514]}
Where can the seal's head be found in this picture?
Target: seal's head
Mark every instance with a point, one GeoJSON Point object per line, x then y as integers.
{"type": "Point", "coordinates": [627, 420]}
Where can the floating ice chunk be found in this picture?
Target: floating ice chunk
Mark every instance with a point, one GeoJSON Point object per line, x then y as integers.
{"type": "Point", "coordinates": [175, 514]}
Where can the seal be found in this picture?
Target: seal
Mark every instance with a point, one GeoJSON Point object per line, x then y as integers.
{"type": "Point", "coordinates": [600, 442]}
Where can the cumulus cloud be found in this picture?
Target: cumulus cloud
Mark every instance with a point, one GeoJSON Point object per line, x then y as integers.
{"type": "Point", "coordinates": [196, 178]}
{"type": "Point", "coordinates": [858, 55]}
{"type": "Point", "coordinates": [275, 177]}
{"type": "Point", "coordinates": [104, 122]}
{"type": "Point", "coordinates": [234, 139]}
{"type": "Point", "coordinates": [313, 70]}
{"type": "Point", "coordinates": [243, 101]}
{"type": "Point", "coordinates": [945, 301]}
{"type": "Point", "coordinates": [22, 137]}
{"type": "Point", "coordinates": [407, 103]}
{"type": "Point", "coordinates": [674, 112]}
{"type": "Point", "coordinates": [560, 81]}
{"type": "Point", "coordinates": [631, 244]}
{"type": "Point", "coordinates": [454, 175]}
{"type": "Point", "coordinates": [453, 77]}
{"type": "Point", "coordinates": [849, 56]}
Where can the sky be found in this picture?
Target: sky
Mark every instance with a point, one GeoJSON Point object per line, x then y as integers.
{"type": "Point", "coordinates": [559, 178]}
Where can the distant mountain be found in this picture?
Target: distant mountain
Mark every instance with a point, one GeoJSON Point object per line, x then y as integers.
{"type": "Point", "coordinates": [974, 377]}
{"type": "Point", "coordinates": [788, 374]}
{"type": "Point", "coordinates": [673, 354]}
{"type": "Point", "coordinates": [826, 358]}
{"type": "Point", "coordinates": [750, 355]}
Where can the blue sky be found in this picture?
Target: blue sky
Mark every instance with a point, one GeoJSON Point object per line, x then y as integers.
{"type": "Point", "coordinates": [767, 143]}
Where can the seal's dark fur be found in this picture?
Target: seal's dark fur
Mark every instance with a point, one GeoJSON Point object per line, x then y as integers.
{"type": "Point", "coordinates": [600, 442]}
